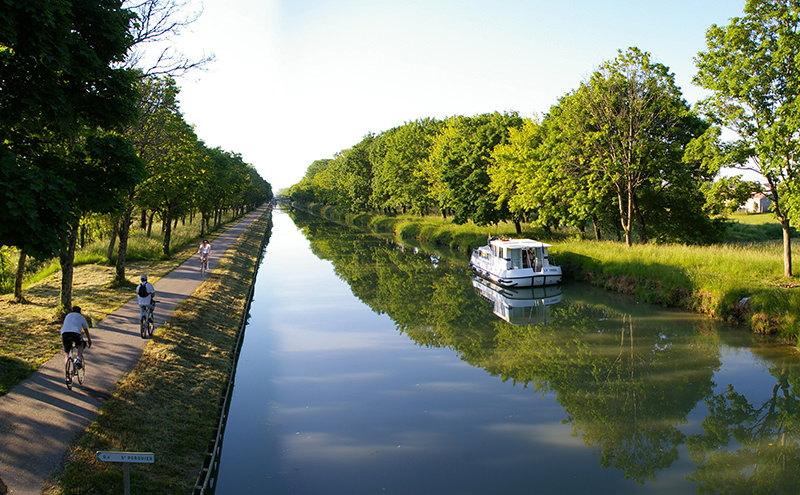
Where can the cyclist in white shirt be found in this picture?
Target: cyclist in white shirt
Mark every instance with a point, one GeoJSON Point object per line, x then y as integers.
{"type": "Point", "coordinates": [205, 251]}
{"type": "Point", "coordinates": [74, 324]}
{"type": "Point", "coordinates": [145, 292]}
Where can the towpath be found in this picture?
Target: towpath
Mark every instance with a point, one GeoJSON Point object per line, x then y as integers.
{"type": "Point", "coordinates": [39, 418]}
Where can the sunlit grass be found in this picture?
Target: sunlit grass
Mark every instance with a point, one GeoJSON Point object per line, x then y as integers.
{"type": "Point", "coordinates": [141, 247]}
{"type": "Point", "coordinates": [27, 329]}
{"type": "Point", "coordinates": [169, 403]}
{"type": "Point", "coordinates": [740, 281]}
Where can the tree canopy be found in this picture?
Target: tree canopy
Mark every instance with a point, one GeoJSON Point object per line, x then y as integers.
{"type": "Point", "coordinates": [82, 133]}
{"type": "Point", "coordinates": [619, 153]}
{"type": "Point", "coordinates": [752, 68]}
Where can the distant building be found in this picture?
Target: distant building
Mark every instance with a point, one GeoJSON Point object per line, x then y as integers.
{"type": "Point", "coordinates": [759, 203]}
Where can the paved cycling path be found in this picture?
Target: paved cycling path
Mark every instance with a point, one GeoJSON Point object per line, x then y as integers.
{"type": "Point", "coordinates": [39, 418]}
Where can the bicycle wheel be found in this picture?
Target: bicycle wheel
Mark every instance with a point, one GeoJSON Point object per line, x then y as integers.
{"type": "Point", "coordinates": [68, 372]}
{"type": "Point", "coordinates": [81, 372]}
{"type": "Point", "coordinates": [151, 325]}
{"type": "Point", "coordinates": [143, 327]}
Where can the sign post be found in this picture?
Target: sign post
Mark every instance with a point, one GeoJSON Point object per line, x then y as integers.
{"type": "Point", "coordinates": [126, 458]}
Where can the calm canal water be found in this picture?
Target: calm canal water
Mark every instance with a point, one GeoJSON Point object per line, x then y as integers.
{"type": "Point", "coordinates": [372, 369]}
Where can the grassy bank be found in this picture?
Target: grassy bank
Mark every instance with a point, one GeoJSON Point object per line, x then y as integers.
{"type": "Point", "coordinates": [169, 403]}
{"type": "Point", "coordinates": [29, 331]}
{"type": "Point", "coordinates": [740, 281]}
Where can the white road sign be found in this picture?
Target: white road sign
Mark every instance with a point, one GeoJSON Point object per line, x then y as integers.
{"type": "Point", "coordinates": [136, 457]}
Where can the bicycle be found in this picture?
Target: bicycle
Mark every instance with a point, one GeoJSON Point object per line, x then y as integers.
{"type": "Point", "coordinates": [73, 369]}
{"type": "Point", "coordinates": [148, 324]}
{"type": "Point", "coordinates": [203, 265]}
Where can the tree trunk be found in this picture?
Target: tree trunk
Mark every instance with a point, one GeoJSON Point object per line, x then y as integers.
{"type": "Point", "coordinates": [20, 273]}
{"type": "Point", "coordinates": [124, 233]}
{"type": "Point", "coordinates": [114, 230]}
{"type": "Point", "coordinates": [596, 227]}
{"type": "Point", "coordinates": [787, 247]}
{"type": "Point", "coordinates": [625, 220]}
{"type": "Point", "coordinates": [640, 220]}
{"type": "Point", "coordinates": [167, 230]}
{"type": "Point", "coordinates": [150, 223]}
{"type": "Point", "coordinates": [518, 226]}
{"type": "Point", "coordinates": [67, 258]}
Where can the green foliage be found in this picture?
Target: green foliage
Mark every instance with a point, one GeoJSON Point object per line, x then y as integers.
{"type": "Point", "coordinates": [726, 194]}
{"type": "Point", "coordinates": [59, 83]}
{"type": "Point", "coordinates": [752, 68]}
{"type": "Point", "coordinates": [743, 228]}
{"type": "Point", "coordinates": [458, 164]}
{"type": "Point", "coordinates": [623, 134]}
{"type": "Point", "coordinates": [623, 153]}
{"type": "Point", "coordinates": [31, 222]}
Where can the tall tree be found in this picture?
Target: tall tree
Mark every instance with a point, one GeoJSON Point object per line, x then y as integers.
{"type": "Point", "coordinates": [158, 23]}
{"type": "Point", "coordinates": [635, 127]}
{"type": "Point", "coordinates": [172, 174]}
{"type": "Point", "coordinates": [458, 163]}
{"type": "Point", "coordinates": [397, 182]}
{"type": "Point", "coordinates": [752, 68]}
{"type": "Point", "coordinates": [112, 167]}
{"type": "Point", "coordinates": [516, 164]}
{"type": "Point", "coordinates": [60, 83]}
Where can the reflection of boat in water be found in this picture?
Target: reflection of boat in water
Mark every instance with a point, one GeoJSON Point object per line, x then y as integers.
{"type": "Point", "coordinates": [515, 263]}
{"type": "Point", "coordinates": [518, 305]}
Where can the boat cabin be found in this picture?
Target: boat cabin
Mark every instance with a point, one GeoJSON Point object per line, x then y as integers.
{"type": "Point", "coordinates": [521, 253]}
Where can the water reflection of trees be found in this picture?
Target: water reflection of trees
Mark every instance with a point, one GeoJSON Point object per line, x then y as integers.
{"type": "Point", "coordinates": [748, 447]}
{"type": "Point", "coordinates": [627, 381]}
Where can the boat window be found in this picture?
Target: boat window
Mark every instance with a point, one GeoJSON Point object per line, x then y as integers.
{"type": "Point", "coordinates": [526, 258]}
{"type": "Point", "coordinates": [538, 259]}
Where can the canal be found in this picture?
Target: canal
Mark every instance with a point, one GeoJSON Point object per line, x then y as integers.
{"type": "Point", "coordinates": [370, 368]}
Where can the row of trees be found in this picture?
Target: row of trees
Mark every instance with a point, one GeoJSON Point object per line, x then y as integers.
{"type": "Point", "coordinates": [83, 132]}
{"type": "Point", "coordinates": [623, 152]}
{"type": "Point", "coordinates": [618, 153]}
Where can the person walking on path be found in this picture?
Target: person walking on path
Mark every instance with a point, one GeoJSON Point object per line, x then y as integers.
{"type": "Point", "coordinates": [74, 324]}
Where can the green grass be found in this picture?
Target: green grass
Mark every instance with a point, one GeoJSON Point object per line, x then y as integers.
{"type": "Point", "coordinates": [26, 334]}
{"type": "Point", "coordinates": [141, 247]}
{"type": "Point", "coordinates": [740, 281]}
{"type": "Point", "coordinates": [169, 403]}
{"type": "Point", "coordinates": [750, 227]}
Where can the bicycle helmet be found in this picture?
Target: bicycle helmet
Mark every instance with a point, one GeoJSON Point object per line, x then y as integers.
{"type": "Point", "coordinates": [144, 278]}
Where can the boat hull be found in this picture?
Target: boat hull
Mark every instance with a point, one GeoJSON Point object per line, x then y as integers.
{"type": "Point", "coordinates": [522, 280]}
{"type": "Point", "coordinates": [524, 277]}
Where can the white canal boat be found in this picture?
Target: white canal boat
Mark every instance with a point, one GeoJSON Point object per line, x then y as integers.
{"type": "Point", "coordinates": [515, 263]}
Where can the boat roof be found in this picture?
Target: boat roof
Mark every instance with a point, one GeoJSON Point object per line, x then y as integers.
{"type": "Point", "coordinates": [519, 243]}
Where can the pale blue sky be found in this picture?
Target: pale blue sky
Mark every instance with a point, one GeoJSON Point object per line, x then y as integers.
{"type": "Point", "coordinates": [300, 80]}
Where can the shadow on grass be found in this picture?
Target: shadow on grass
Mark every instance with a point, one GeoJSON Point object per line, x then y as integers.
{"type": "Point", "coordinates": [736, 232]}
{"type": "Point", "coordinates": [12, 371]}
